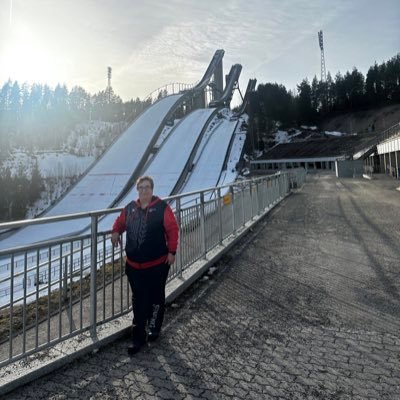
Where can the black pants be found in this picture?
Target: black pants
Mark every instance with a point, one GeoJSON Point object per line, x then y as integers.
{"type": "Point", "coordinates": [148, 287]}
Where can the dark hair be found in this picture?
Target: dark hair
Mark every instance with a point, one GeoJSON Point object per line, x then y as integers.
{"type": "Point", "coordinates": [145, 178]}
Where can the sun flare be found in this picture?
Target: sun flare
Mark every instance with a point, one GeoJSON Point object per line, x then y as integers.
{"type": "Point", "coordinates": [25, 59]}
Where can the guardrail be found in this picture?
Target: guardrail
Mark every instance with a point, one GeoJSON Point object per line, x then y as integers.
{"type": "Point", "coordinates": [57, 289]}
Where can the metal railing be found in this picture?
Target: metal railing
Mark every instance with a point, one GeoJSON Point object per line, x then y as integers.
{"type": "Point", "coordinates": [368, 147]}
{"type": "Point", "coordinates": [54, 290]}
{"type": "Point", "coordinates": [169, 89]}
{"type": "Point", "coordinates": [389, 133]}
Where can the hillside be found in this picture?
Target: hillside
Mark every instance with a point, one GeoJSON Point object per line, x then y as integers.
{"type": "Point", "coordinates": [376, 120]}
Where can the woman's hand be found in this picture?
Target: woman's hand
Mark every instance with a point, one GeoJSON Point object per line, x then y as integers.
{"type": "Point", "coordinates": [115, 239]}
{"type": "Point", "coordinates": [170, 259]}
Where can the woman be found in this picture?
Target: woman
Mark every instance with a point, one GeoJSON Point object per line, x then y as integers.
{"type": "Point", "coordinates": [151, 243]}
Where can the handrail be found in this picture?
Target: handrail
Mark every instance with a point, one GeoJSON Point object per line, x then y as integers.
{"type": "Point", "coordinates": [179, 86]}
{"type": "Point", "coordinates": [366, 149]}
{"type": "Point", "coordinates": [97, 213]}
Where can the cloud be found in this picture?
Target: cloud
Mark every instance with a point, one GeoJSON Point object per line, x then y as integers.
{"type": "Point", "coordinates": [154, 42]}
{"type": "Point", "coordinates": [182, 48]}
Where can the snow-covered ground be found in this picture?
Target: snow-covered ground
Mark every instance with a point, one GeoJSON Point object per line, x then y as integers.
{"type": "Point", "coordinates": [91, 138]}
{"type": "Point", "coordinates": [59, 169]}
{"type": "Point", "coordinates": [82, 146]}
{"type": "Point", "coordinates": [285, 137]}
{"type": "Point", "coordinates": [281, 137]}
{"type": "Point", "coordinates": [51, 165]}
{"type": "Point", "coordinates": [333, 133]}
{"type": "Point", "coordinates": [310, 128]}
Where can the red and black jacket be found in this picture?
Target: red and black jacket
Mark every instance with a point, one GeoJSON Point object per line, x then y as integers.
{"type": "Point", "coordinates": [151, 233]}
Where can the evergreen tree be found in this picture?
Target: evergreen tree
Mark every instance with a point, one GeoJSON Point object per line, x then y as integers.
{"type": "Point", "coordinates": [357, 89]}
{"type": "Point", "coordinates": [371, 86]}
{"type": "Point", "coordinates": [36, 184]}
{"type": "Point", "coordinates": [15, 106]}
{"type": "Point", "coordinates": [307, 114]}
{"type": "Point", "coordinates": [5, 193]}
{"type": "Point", "coordinates": [315, 94]}
{"type": "Point", "coordinates": [391, 80]}
{"type": "Point", "coordinates": [79, 103]}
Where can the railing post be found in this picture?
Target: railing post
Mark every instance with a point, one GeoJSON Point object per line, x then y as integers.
{"type": "Point", "coordinates": [284, 184]}
{"type": "Point", "coordinates": [257, 199]}
{"type": "Point", "coordinates": [11, 335]}
{"type": "Point", "coordinates": [219, 215]}
{"type": "Point", "coordinates": [242, 205]}
{"type": "Point", "coordinates": [264, 194]}
{"type": "Point", "coordinates": [251, 200]}
{"type": "Point", "coordinates": [93, 275]}
{"type": "Point", "coordinates": [179, 250]}
{"type": "Point", "coordinates": [203, 226]}
{"type": "Point", "coordinates": [231, 190]}
{"type": "Point", "coordinates": [65, 277]}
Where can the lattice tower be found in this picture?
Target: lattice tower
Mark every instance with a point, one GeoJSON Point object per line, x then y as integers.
{"type": "Point", "coordinates": [321, 46]}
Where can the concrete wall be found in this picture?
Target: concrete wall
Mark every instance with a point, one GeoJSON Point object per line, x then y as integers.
{"type": "Point", "coordinates": [349, 168]}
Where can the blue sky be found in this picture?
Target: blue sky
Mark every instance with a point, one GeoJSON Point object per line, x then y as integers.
{"type": "Point", "coordinates": [151, 43]}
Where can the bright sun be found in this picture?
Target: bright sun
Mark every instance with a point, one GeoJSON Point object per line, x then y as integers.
{"type": "Point", "coordinates": [24, 59]}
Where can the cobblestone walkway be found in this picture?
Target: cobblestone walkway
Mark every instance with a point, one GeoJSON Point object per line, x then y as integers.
{"type": "Point", "coordinates": [306, 307]}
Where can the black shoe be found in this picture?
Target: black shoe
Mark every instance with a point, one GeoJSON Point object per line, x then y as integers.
{"type": "Point", "coordinates": [134, 347]}
{"type": "Point", "coordinates": [152, 336]}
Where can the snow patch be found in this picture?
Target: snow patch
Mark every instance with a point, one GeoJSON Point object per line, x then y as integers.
{"type": "Point", "coordinates": [281, 137]}
{"type": "Point", "coordinates": [51, 165]}
{"type": "Point", "coordinates": [338, 134]}
{"type": "Point", "coordinates": [311, 128]}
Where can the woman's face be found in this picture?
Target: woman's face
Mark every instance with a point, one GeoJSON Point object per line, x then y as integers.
{"type": "Point", "coordinates": [145, 191]}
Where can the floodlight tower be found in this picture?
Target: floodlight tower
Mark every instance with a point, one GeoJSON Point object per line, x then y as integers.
{"type": "Point", "coordinates": [109, 83]}
{"type": "Point", "coordinates": [321, 46]}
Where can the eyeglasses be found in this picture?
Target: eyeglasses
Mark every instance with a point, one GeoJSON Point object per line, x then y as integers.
{"type": "Point", "coordinates": [147, 187]}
